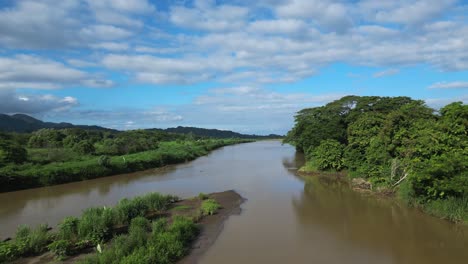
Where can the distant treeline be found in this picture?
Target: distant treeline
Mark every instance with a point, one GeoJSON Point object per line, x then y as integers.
{"type": "Point", "coordinates": [216, 133]}
{"type": "Point", "coordinates": [53, 156]}
{"type": "Point", "coordinates": [21, 123]}
{"type": "Point", "coordinates": [396, 143]}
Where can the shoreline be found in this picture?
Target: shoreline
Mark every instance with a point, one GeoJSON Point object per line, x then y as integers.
{"type": "Point", "coordinates": [76, 171]}
{"type": "Point", "coordinates": [360, 185]}
{"type": "Point", "coordinates": [213, 225]}
{"type": "Point", "coordinates": [210, 227]}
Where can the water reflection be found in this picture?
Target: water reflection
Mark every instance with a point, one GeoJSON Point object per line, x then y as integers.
{"type": "Point", "coordinates": [380, 225]}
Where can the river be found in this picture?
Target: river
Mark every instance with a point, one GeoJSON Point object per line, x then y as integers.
{"type": "Point", "coordinates": [285, 219]}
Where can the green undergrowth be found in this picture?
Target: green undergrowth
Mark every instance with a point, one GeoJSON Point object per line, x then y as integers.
{"type": "Point", "coordinates": [136, 230]}
{"type": "Point", "coordinates": [83, 167]}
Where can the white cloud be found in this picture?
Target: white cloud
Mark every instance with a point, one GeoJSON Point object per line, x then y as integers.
{"type": "Point", "coordinates": [111, 46]}
{"type": "Point", "coordinates": [206, 16]}
{"type": "Point", "coordinates": [414, 12]}
{"type": "Point", "coordinates": [39, 24]}
{"type": "Point", "coordinates": [25, 71]}
{"type": "Point", "coordinates": [449, 85]}
{"type": "Point", "coordinates": [13, 102]}
{"type": "Point", "coordinates": [278, 26]}
{"type": "Point", "coordinates": [331, 15]}
{"type": "Point", "coordinates": [104, 32]}
{"type": "Point", "coordinates": [385, 73]}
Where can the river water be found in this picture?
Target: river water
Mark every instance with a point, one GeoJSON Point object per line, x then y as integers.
{"type": "Point", "coordinates": [285, 219]}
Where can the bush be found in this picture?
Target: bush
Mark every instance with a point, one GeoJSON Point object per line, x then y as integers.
{"type": "Point", "coordinates": [96, 224]}
{"type": "Point", "coordinates": [202, 196]}
{"type": "Point", "coordinates": [104, 161]}
{"type": "Point", "coordinates": [329, 155]}
{"type": "Point", "coordinates": [8, 252]}
{"type": "Point", "coordinates": [31, 242]}
{"type": "Point", "coordinates": [68, 229]}
{"type": "Point", "coordinates": [84, 147]}
{"type": "Point", "coordinates": [210, 206]}
{"type": "Point", "coordinates": [61, 248]}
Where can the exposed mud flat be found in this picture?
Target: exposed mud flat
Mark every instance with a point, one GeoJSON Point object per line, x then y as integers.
{"type": "Point", "coordinates": [211, 226]}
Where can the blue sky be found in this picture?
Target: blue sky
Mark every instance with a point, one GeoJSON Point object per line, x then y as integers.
{"type": "Point", "coordinates": [241, 65]}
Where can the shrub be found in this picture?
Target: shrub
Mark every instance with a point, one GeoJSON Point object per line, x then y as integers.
{"type": "Point", "coordinates": [184, 229]}
{"type": "Point", "coordinates": [8, 252]}
{"type": "Point", "coordinates": [68, 228]}
{"type": "Point", "coordinates": [96, 224]}
{"type": "Point", "coordinates": [139, 223]}
{"type": "Point", "coordinates": [61, 248]}
{"type": "Point", "coordinates": [31, 242]}
{"type": "Point", "coordinates": [210, 206]}
{"type": "Point", "coordinates": [203, 196]}
{"type": "Point", "coordinates": [104, 161]}
{"type": "Point", "coordinates": [159, 226]}
{"type": "Point", "coordinates": [329, 155]}
{"type": "Point", "coordinates": [165, 248]}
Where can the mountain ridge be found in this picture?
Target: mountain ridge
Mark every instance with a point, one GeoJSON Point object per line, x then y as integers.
{"type": "Point", "coordinates": [22, 123]}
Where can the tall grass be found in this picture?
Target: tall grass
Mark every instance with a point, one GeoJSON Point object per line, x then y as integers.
{"type": "Point", "coordinates": [164, 244]}
{"type": "Point", "coordinates": [146, 242]}
{"type": "Point", "coordinates": [451, 208]}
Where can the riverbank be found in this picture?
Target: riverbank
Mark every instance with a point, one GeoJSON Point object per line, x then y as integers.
{"type": "Point", "coordinates": [26, 176]}
{"type": "Point", "coordinates": [194, 223]}
{"type": "Point", "coordinates": [448, 210]}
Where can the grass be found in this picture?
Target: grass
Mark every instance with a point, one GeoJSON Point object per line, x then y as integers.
{"type": "Point", "coordinates": [181, 208]}
{"type": "Point", "coordinates": [39, 172]}
{"type": "Point", "coordinates": [158, 241]}
{"type": "Point", "coordinates": [27, 242]}
{"type": "Point", "coordinates": [210, 207]}
{"type": "Point", "coordinates": [162, 244]}
{"type": "Point", "coordinates": [451, 208]}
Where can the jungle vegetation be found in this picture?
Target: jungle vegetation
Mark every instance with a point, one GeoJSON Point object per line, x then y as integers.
{"type": "Point", "coordinates": [53, 156]}
{"type": "Point", "coordinates": [395, 143]}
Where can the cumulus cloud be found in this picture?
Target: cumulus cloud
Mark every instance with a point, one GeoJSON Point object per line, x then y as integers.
{"type": "Point", "coordinates": [119, 118]}
{"type": "Point", "coordinates": [48, 24]}
{"type": "Point", "coordinates": [25, 71]}
{"type": "Point", "coordinates": [13, 102]}
{"type": "Point", "coordinates": [207, 16]}
{"type": "Point", "coordinates": [331, 15]}
{"type": "Point", "coordinates": [449, 85]}
{"type": "Point", "coordinates": [249, 109]}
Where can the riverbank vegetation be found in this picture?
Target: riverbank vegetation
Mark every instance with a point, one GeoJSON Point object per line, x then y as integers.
{"type": "Point", "coordinates": [396, 144]}
{"type": "Point", "coordinates": [145, 229]}
{"type": "Point", "coordinates": [50, 156]}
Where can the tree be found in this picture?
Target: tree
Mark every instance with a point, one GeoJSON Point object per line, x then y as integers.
{"type": "Point", "coordinates": [12, 153]}
{"type": "Point", "coordinates": [84, 147]}
{"type": "Point", "coordinates": [328, 155]}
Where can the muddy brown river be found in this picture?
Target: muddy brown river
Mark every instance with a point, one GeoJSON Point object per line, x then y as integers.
{"type": "Point", "coordinates": [286, 219]}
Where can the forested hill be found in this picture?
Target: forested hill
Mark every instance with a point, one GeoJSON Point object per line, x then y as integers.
{"type": "Point", "coordinates": [24, 124]}
{"type": "Point", "coordinates": [215, 133]}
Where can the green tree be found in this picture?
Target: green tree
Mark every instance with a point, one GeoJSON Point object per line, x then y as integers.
{"type": "Point", "coordinates": [12, 153]}
{"type": "Point", "coordinates": [329, 155]}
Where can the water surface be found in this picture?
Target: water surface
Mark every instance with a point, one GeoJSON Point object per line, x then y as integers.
{"type": "Point", "coordinates": [286, 219]}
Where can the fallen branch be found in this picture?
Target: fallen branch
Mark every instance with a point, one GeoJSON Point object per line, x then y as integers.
{"type": "Point", "coordinates": [400, 180]}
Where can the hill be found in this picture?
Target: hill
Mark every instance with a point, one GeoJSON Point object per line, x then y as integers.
{"type": "Point", "coordinates": [23, 124]}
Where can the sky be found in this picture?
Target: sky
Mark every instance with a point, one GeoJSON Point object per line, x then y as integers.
{"type": "Point", "coordinates": [239, 65]}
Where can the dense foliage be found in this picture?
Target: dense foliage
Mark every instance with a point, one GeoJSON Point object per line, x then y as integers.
{"type": "Point", "coordinates": [394, 142]}
{"type": "Point", "coordinates": [50, 156]}
{"type": "Point", "coordinates": [122, 234]}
